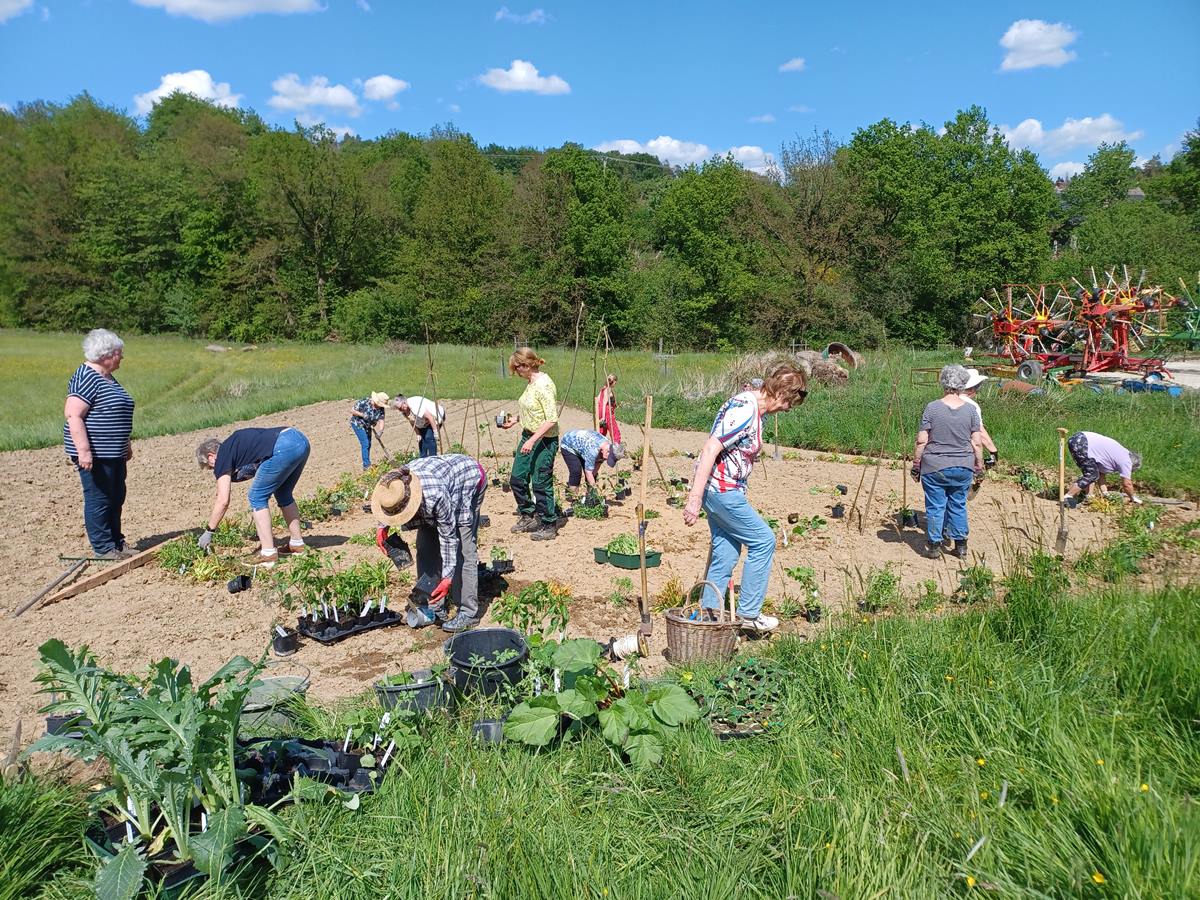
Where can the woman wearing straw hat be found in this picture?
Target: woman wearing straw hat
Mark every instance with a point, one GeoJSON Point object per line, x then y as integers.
{"type": "Point", "coordinates": [366, 418]}
{"type": "Point", "coordinates": [441, 496]}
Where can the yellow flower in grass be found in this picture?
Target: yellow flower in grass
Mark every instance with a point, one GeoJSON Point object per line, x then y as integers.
{"type": "Point", "coordinates": [970, 881]}
{"type": "Point", "coordinates": [1099, 761]}
{"type": "Point", "coordinates": [1145, 787]}
{"type": "Point", "coordinates": [1098, 878]}
{"type": "Point", "coordinates": [1054, 799]}
{"type": "Point", "coordinates": [980, 761]}
{"type": "Point", "coordinates": [983, 795]}
{"type": "Point", "coordinates": [949, 677]}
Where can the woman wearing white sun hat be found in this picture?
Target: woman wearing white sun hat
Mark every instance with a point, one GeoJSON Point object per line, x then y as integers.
{"type": "Point", "coordinates": [366, 419]}
{"type": "Point", "coordinates": [975, 378]}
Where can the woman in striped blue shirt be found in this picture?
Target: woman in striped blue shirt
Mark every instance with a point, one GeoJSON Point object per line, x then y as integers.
{"type": "Point", "coordinates": [96, 437]}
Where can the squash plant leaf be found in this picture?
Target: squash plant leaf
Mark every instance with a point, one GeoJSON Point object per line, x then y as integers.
{"type": "Point", "coordinates": [213, 849]}
{"type": "Point", "coordinates": [644, 750]}
{"type": "Point", "coordinates": [613, 727]}
{"type": "Point", "coordinates": [534, 723]}
{"type": "Point", "coordinates": [573, 704]}
{"type": "Point", "coordinates": [579, 655]}
{"type": "Point", "coordinates": [672, 705]}
{"type": "Point", "coordinates": [120, 878]}
{"type": "Point", "coordinates": [592, 687]}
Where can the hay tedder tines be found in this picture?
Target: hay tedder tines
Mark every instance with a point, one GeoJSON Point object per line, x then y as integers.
{"type": "Point", "coordinates": [1115, 328]}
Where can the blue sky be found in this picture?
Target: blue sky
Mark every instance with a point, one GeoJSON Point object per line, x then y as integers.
{"type": "Point", "coordinates": [680, 80]}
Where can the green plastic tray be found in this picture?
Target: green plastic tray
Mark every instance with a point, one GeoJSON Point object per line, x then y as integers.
{"type": "Point", "coordinates": [626, 560]}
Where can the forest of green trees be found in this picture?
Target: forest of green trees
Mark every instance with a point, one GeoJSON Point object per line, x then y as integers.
{"type": "Point", "coordinates": [205, 221]}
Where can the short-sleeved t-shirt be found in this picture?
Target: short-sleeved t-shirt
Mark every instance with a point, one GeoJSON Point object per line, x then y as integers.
{"type": "Point", "coordinates": [422, 406]}
{"type": "Point", "coordinates": [538, 404]}
{"type": "Point", "coordinates": [585, 444]}
{"type": "Point", "coordinates": [109, 419]}
{"type": "Point", "coordinates": [240, 454]}
{"type": "Point", "coordinates": [1108, 455]}
{"type": "Point", "coordinates": [738, 426]}
{"type": "Point", "coordinates": [950, 433]}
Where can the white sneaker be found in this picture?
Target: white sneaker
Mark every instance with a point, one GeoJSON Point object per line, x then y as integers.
{"type": "Point", "coordinates": [761, 624]}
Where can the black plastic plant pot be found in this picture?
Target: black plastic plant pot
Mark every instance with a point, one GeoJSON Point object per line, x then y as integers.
{"type": "Point", "coordinates": [838, 511]}
{"type": "Point", "coordinates": [495, 482]}
{"type": "Point", "coordinates": [239, 583]}
{"type": "Point", "coordinates": [506, 487]}
{"type": "Point", "coordinates": [676, 502]}
{"type": "Point", "coordinates": [813, 614]}
{"type": "Point", "coordinates": [473, 668]}
{"type": "Point", "coordinates": [793, 518]}
{"type": "Point", "coordinates": [66, 724]}
{"type": "Point", "coordinates": [865, 607]}
{"type": "Point", "coordinates": [502, 566]}
{"type": "Point", "coordinates": [425, 692]}
{"type": "Point", "coordinates": [488, 731]}
{"type": "Point", "coordinates": [285, 644]}
{"type": "Point", "coordinates": [908, 519]}
{"type": "Point", "coordinates": [422, 592]}
{"type": "Point", "coordinates": [842, 489]}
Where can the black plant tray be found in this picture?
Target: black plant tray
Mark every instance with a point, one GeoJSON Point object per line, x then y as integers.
{"type": "Point", "coordinates": [330, 632]}
{"type": "Point", "coordinates": [321, 761]}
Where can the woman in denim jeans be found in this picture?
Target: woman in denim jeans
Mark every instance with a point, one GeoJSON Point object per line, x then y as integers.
{"type": "Point", "coordinates": [947, 457]}
{"type": "Point", "coordinates": [719, 487]}
{"type": "Point", "coordinates": [274, 458]}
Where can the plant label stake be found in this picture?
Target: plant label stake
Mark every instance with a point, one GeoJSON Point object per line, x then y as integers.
{"type": "Point", "coordinates": [387, 753]}
{"type": "Point", "coordinates": [1060, 543]}
{"type": "Point", "coordinates": [346, 742]}
{"type": "Point", "coordinates": [279, 630]}
{"type": "Point", "coordinates": [646, 626]}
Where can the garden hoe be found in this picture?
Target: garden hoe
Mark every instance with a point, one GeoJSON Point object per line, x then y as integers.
{"type": "Point", "coordinates": [1060, 543]}
{"type": "Point", "coordinates": [646, 626]}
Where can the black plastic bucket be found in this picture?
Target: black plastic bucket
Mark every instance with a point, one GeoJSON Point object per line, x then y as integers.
{"type": "Point", "coordinates": [426, 692]}
{"type": "Point", "coordinates": [488, 731]}
{"type": "Point", "coordinates": [487, 677]}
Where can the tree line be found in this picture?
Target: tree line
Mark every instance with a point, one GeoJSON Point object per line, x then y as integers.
{"type": "Point", "coordinates": [206, 221]}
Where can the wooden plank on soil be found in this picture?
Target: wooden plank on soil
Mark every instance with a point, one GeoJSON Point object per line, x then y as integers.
{"type": "Point", "coordinates": [114, 571]}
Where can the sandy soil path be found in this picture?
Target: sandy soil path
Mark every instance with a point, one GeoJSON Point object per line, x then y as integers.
{"type": "Point", "coordinates": [150, 613]}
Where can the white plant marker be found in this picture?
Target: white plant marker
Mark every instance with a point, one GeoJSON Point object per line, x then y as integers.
{"type": "Point", "coordinates": [366, 608]}
{"type": "Point", "coordinates": [129, 805]}
{"type": "Point", "coordinates": [625, 676]}
{"type": "Point", "coordinates": [346, 742]}
{"type": "Point", "coordinates": [335, 615]}
{"type": "Point", "coordinates": [279, 630]}
{"type": "Point", "coordinates": [557, 681]}
{"type": "Point", "coordinates": [388, 753]}
{"type": "Point", "coordinates": [979, 843]}
{"type": "Point", "coordinates": [383, 603]}
{"type": "Point", "coordinates": [203, 821]}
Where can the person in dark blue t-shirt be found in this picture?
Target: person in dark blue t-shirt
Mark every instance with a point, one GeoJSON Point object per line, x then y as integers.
{"type": "Point", "coordinates": [274, 459]}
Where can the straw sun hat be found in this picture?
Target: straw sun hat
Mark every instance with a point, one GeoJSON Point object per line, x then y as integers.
{"type": "Point", "coordinates": [388, 501]}
{"type": "Point", "coordinates": [379, 398]}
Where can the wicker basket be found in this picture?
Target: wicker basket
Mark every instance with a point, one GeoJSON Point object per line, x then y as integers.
{"type": "Point", "coordinates": [689, 640]}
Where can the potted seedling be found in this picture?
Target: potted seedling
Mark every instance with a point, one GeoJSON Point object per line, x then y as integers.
{"type": "Point", "coordinates": [908, 517]}
{"type": "Point", "coordinates": [502, 561]}
{"type": "Point", "coordinates": [284, 641]}
{"type": "Point", "coordinates": [837, 511]}
{"type": "Point", "coordinates": [505, 470]}
{"type": "Point", "coordinates": [420, 690]}
{"type": "Point", "coordinates": [813, 612]}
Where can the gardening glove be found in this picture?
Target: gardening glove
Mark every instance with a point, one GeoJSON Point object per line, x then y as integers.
{"type": "Point", "coordinates": [915, 471]}
{"type": "Point", "coordinates": [438, 596]}
{"type": "Point", "coordinates": [205, 540]}
{"type": "Point", "coordinates": [1136, 500]}
{"type": "Point", "coordinates": [381, 534]}
{"type": "Point", "coordinates": [1070, 502]}
{"type": "Point", "coordinates": [989, 460]}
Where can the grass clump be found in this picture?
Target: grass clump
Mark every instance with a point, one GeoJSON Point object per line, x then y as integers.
{"type": "Point", "coordinates": [40, 829]}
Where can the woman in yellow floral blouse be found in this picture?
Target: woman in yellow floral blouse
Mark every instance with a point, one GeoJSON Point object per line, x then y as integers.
{"type": "Point", "coordinates": [533, 464]}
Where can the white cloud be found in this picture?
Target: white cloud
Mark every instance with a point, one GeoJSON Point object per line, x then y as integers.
{"type": "Point", "coordinates": [1086, 132]}
{"type": "Point", "coordinates": [764, 119]}
{"type": "Point", "coordinates": [223, 10]}
{"type": "Point", "coordinates": [364, 5]}
{"type": "Point", "coordinates": [5, 107]}
{"type": "Point", "coordinates": [45, 14]}
{"type": "Point", "coordinates": [523, 76]}
{"type": "Point", "coordinates": [454, 108]}
{"type": "Point", "coordinates": [801, 108]}
{"type": "Point", "coordinates": [686, 153]}
{"type": "Point", "coordinates": [384, 87]}
{"type": "Point", "coordinates": [1066, 169]}
{"type": "Point", "coordinates": [292, 94]}
{"type": "Point", "coordinates": [534, 17]}
{"type": "Point", "coordinates": [197, 82]}
{"type": "Point", "coordinates": [1031, 43]}
{"type": "Point", "coordinates": [793, 65]}
{"type": "Point", "coordinates": [11, 8]}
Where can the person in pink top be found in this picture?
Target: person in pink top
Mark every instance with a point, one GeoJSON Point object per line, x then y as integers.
{"type": "Point", "coordinates": [606, 411]}
{"type": "Point", "coordinates": [1098, 456]}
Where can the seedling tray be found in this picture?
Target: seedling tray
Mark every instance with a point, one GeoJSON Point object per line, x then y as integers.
{"type": "Point", "coordinates": [627, 560]}
{"type": "Point", "coordinates": [330, 632]}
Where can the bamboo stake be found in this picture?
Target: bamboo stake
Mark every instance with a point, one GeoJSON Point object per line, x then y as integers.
{"type": "Point", "coordinates": [887, 432]}
{"type": "Point", "coordinates": [646, 626]}
{"type": "Point", "coordinates": [433, 390]}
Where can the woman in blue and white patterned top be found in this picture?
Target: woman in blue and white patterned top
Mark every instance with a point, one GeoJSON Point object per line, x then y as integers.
{"type": "Point", "coordinates": [96, 436]}
{"type": "Point", "coordinates": [583, 450]}
{"type": "Point", "coordinates": [366, 419]}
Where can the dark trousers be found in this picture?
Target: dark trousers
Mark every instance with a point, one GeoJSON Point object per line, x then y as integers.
{"type": "Point", "coordinates": [533, 478]}
{"type": "Point", "coordinates": [1078, 448]}
{"type": "Point", "coordinates": [103, 497]}
{"type": "Point", "coordinates": [427, 442]}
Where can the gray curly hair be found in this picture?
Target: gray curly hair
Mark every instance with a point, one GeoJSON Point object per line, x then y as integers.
{"type": "Point", "coordinates": [207, 446]}
{"type": "Point", "coordinates": [99, 343]}
{"type": "Point", "coordinates": [953, 378]}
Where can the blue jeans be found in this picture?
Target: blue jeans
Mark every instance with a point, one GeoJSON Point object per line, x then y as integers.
{"type": "Point", "coordinates": [279, 474]}
{"type": "Point", "coordinates": [427, 442]}
{"type": "Point", "coordinates": [363, 433]}
{"type": "Point", "coordinates": [734, 524]}
{"type": "Point", "coordinates": [946, 502]}
{"type": "Point", "coordinates": [103, 497]}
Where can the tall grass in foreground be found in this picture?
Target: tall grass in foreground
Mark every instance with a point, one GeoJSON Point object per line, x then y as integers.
{"type": "Point", "coordinates": [180, 386]}
{"type": "Point", "coordinates": [1046, 748]}
{"type": "Point", "coordinates": [41, 828]}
